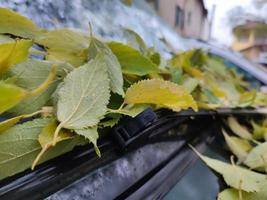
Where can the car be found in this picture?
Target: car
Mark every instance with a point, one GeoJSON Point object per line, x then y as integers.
{"type": "Point", "coordinates": [148, 170]}
{"type": "Point", "coordinates": [232, 59]}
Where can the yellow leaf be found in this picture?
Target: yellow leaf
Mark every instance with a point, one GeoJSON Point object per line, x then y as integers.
{"type": "Point", "coordinates": [46, 139]}
{"type": "Point", "coordinates": [239, 129]}
{"type": "Point", "coordinates": [210, 82]}
{"type": "Point", "coordinates": [74, 58]}
{"type": "Point", "coordinates": [4, 125]}
{"type": "Point", "coordinates": [238, 146]}
{"type": "Point", "coordinates": [65, 45]}
{"type": "Point", "coordinates": [41, 88]}
{"type": "Point", "coordinates": [11, 95]}
{"type": "Point", "coordinates": [15, 24]}
{"type": "Point", "coordinates": [13, 53]}
{"type": "Point", "coordinates": [160, 92]}
{"type": "Point", "coordinates": [207, 105]}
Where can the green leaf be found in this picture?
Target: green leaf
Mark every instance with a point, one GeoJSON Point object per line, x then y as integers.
{"type": "Point", "coordinates": [47, 133]}
{"type": "Point", "coordinates": [155, 58]}
{"type": "Point", "coordinates": [13, 53]}
{"type": "Point", "coordinates": [84, 95]}
{"type": "Point", "coordinates": [160, 92]}
{"type": "Point", "coordinates": [130, 110]}
{"type": "Point", "coordinates": [216, 66]}
{"type": "Point", "coordinates": [238, 129]}
{"type": "Point", "coordinates": [261, 99]}
{"type": "Point", "coordinates": [18, 25]}
{"type": "Point", "coordinates": [4, 125]}
{"type": "Point", "coordinates": [238, 146]}
{"type": "Point", "coordinates": [209, 97]}
{"type": "Point", "coordinates": [65, 45]}
{"type": "Point", "coordinates": [235, 176]}
{"type": "Point", "coordinates": [232, 95]}
{"type": "Point", "coordinates": [135, 40]}
{"type": "Point", "coordinates": [38, 71]}
{"type": "Point", "coordinates": [233, 194]}
{"type": "Point", "coordinates": [6, 39]}
{"type": "Point", "coordinates": [110, 120]}
{"type": "Point", "coordinates": [45, 139]}
{"type": "Point", "coordinates": [11, 95]}
{"type": "Point", "coordinates": [92, 135]}
{"type": "Point", "coordinates": [229, 194]}
{"type": "Point", "coordinates": [64, 39]}
{"type": "Point", "coordinates": [131, 60]}
{"type": "Point", "coordinates": [259, 131]}
{"type": "Point", "coordinates": [210, 83]}
{"type": "Point", "coordinates": [257, 157]}
{"type": "Point", "coordinates": [247, 98]}
{"type": "Point", "coordinates": [111, 62]}
{"type": "Point", "coordinates": [190, 61]}
{"type": "Point", "coordinates": [190, 84]}
{"type": "Point", "coordinates": [24, 138]}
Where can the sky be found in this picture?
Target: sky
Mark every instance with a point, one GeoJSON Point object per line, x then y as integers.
{"type": "Point", "coordinates": [221, 31]}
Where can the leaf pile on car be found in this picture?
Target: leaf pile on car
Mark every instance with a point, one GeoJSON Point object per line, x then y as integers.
{"type": "Point", "coordinates": [60, 88]}
{"type": "Point", "coordinates": [247, 178]}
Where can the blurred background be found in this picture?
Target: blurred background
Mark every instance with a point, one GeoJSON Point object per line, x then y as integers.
{"type": "Point", "coordinates": [237, 24]}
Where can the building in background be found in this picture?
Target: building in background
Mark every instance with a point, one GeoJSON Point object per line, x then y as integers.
{"type": "Point", "coordinates": [188, 17]}
{"type": "Point", "coordinates": [250, 38]}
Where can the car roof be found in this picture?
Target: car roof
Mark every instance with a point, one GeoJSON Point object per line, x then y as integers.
{"type": "Point", "coordinates": [254, 69]}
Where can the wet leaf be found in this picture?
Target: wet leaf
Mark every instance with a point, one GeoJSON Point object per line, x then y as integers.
{"type": "Point", "coordinates": [131, 60]}
{"type": "Point", "coordinates": [229, 194]}
{"type": "Point", "coordinates": [257, 157]}
{"type": "Point", "coordinates": [16, 24]}
{"type": "Point", "coordinates": [155, 58]}
{"type": "Point", "coordinates": [238, 129]}
{"type": "Point", "coordinates": [239, 147]}
{"type": "Point", "coordinates": [38, 71]}
{"type": "Point", "coordinates": [190, 84]}
{"type": "Point", "coordinates": [259, 131]}
{"type": "Point", "coordinates": [160, 92]}
{"type": "Point", "coordinates": [111, 63]}
{"type": "Point", "coordinates": [6, 39]}
{"type": "Point", "coordinates": [46, 136]}
{"type": "Point", "coordinates": [247, 98]}
{"type": "Point", "coordinates": [135, 40]}
{"type": "Point", "coordinates": [233, 194]}
{"type": "Point", "coordinates": [4, 125]}
{"type": "Point", "coordinates": [92, 135]}
{"type": "Point", "coordinates": [84, 96]}
{"type": "Point", "coordinates": [110, 120]}
{"type": "Point", "coordinates": [25, 138]}
{"type": "Point", "coordinates": [130, 110]}
{"type": "Point", "coordinates": [11, 95]}
{"type": "Point", "coordinates": [13, 53]}
{"type": "Point", "coordinates": [235, 176]}
{"type": "Point", "coordinates": [65, 45]}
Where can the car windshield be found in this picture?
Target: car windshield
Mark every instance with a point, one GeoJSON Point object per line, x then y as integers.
{"type": "Point", "coordinates": [108, 18]}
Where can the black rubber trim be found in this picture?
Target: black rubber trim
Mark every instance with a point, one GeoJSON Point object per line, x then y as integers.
{"type": "Point", "coordinates": [168, 172]}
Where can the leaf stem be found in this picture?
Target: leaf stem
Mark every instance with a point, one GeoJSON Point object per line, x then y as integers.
{"type": "Point", "coordinates": [120, 108]}
{"type": "Point", "coordinates": [32, 114]}
{"type": "Point", "coordinates": [264, 161]}
{"type": "Point", "coordinates": [45, 84]}
{"type": "Point", "coordinates": [37, 159]}
{"type": "Point", "coordinates": [90, 29]}
{"type": "Point", "coordinates": [59, 127]}
{"type": "Point", "coordinates": [240, 197]}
